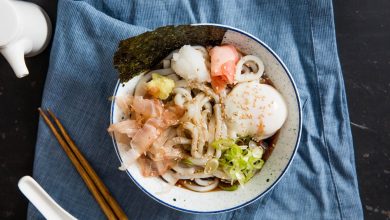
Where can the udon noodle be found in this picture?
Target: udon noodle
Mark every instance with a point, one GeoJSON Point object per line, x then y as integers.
{"type": "Point", "coordinates": [197, 134]}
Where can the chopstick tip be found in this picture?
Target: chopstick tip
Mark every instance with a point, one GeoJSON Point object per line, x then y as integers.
{"type": "Point", "coordinates": [51, 113]}
{"type": "Point", "coordinates": [41, 112]}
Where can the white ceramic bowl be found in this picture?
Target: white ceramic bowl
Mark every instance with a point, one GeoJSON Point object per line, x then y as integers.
{"type": "Point", "coordinates": [276, 165]}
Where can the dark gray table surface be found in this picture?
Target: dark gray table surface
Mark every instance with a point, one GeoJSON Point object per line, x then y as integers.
{"type": "Point", "coordinates": [363, 36]}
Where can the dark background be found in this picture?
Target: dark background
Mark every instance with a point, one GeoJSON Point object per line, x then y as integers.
{"type": "Point", "coordinates": [363, 36]}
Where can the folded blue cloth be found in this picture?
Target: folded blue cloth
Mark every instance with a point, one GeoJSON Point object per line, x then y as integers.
{"type": "Point", "coordinates": [321, 182]}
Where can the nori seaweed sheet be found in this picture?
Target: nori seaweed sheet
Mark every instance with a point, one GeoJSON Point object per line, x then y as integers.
{"type": "Point", "coordinates": [138, 54]}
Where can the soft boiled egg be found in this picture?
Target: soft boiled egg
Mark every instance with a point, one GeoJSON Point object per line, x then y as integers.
{"type": "Point", "coordinates": [254, 109]}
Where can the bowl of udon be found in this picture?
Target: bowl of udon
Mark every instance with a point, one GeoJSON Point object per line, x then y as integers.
{"type": "Point", "coordinates": [205, 118]}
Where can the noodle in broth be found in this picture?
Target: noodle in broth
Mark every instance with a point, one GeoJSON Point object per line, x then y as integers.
{"type": "Point", "coordinates": [191, 137]}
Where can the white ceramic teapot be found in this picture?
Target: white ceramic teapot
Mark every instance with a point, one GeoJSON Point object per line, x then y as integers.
{"type": "Point", "coordinates": [25, 30]}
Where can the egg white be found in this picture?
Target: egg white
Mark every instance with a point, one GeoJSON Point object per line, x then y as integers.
{"type": "Point", "coordinates": [254, 109]}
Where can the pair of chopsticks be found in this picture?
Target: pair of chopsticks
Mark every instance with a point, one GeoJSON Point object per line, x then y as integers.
{"type": "Point", "coordinates": [107, 203]}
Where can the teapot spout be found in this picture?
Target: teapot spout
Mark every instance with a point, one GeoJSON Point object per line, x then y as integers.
{"type": "Point", "coordinates": [14, 54]}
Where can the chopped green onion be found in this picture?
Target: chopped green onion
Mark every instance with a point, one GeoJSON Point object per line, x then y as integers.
{"type": "Point", "coordinates": [252, 144]}
{"type": "Point", "coordinates": [211, 166]}
{"type": "Point", "coordinates": [223, 144]}
{"type": "Point", "coordinates": [228, 187]}
{"type": "Point", "coordinates": [257, 152]}
{"type": "Point", "coordinates": [187, 162]}
{"type": "Point", "coordinates": [243, 140]}
{"type": "Point", "coordinates": [240, 164]}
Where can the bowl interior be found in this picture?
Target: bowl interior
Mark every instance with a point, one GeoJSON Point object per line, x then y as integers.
{"type": "Point", "coordinates": [261, 183]}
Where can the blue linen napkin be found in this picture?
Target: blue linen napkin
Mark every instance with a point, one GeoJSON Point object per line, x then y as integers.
{"type": "Point", "coordinates": [321, 182]}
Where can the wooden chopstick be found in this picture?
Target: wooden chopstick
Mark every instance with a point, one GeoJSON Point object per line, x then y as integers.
{"type": "Point", "coordinates": [95, 185]}
{"type": "Point", "coordinates": [98, 182]}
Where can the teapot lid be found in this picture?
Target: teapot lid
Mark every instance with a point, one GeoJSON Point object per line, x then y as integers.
{"type": "Point", "coordinates": [9, 21]}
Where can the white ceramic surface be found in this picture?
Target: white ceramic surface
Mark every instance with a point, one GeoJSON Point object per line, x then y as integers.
{"type": "Point", "coordinates": [25, 30]}
{"type": "Point", "coordinates": [41, 200]}
{"type": "Point", "coordinates": [274, 168]}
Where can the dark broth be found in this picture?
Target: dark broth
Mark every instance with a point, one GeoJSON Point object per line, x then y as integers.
{"type": "Point", "coordinates": [271, 141]}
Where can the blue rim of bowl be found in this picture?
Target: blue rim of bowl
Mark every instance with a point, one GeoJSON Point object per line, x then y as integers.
{"type": "Point", "coordinates": [283, 172]}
